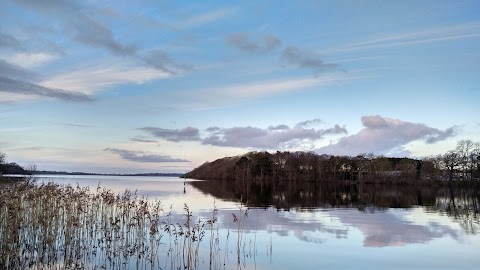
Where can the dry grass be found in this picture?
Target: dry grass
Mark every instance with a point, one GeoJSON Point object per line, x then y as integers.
{"type": "Point", "coordinates": [50, 226]}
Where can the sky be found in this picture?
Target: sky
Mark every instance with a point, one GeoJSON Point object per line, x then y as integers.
{"type": "Point", "coordinates": [164, 86]}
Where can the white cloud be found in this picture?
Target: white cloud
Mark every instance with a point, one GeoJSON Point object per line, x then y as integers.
{"type": "Point", "coordinates": [383, 135]}
{"type": "Point", "coordinates": [258, 138]}
{"type": "Point", "coordinates": [30, 60]}
{"type": "Point", "coordinates": [438, 34]}
{"type": "Point", "coordinates": [265, 88]}
{"type": "Point", "coordinates": [273, 137]}
{"type": "Point", "coordinates": [208, 17]}
{"type": "Point", "coordinates": [91, 80]}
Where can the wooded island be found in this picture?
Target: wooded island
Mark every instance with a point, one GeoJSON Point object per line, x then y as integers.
{"type": "Point", "coordinates": [461, 164]}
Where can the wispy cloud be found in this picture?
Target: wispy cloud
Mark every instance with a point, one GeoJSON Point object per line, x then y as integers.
{"type": "Point", "coordinates": [174, 135]}
{"type": "Point", "coordinates": [12, 82]}
{"type": "Point", "coordinates": [162, 61]}
{"type": "Point", "coordinates": [10, 42]}
{"type": "Point", "coordinates": [266, 88]}
{"type": "Point", "coordinates": [273, 137]}
{"type": "Point", "coordinates": [306, 59]}
{"type": "Point", "coordinates": [74, 125]}
{"type": "Point", "coordinates": [30, 60]}
{"type": "Point", "coordinates": [207, 17]}
{"type": "Point", "coordinates": [383, 135]}
{"type": "Point", "coordinates": [308, 123]}
{"type": "Point", "coordinates": [438, 34]}
{"type": "Point", "coordinates": [89, 80]}
{"type": "Point", "coordinates": [142, 140]}
{"type": "Point", "coordinates": [27, 88]}
{"type": "Point", "coordinates": [88, 30]}
{"type": "Point", "coordinates": [279, 127]}
{"type": "Point", "coordinates": [253, 43]}
{"type": "Point", "coordinates": [139, 156]}
{"type": "Point", "coordinates": [80, 26]}
{"type": "Point", "coordinates": [15, 72]}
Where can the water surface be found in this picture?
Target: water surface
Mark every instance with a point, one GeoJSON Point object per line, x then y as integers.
{"type": "Point", "coordinates": [310, 226]}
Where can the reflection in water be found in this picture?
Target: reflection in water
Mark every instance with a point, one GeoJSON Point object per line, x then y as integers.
{"type": "Point", "coordinates": [307, 226]}
{"type": "Point", "coordinates": [460, 203]}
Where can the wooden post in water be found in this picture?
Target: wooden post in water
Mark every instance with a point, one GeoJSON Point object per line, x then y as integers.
{"type": "Point", "coordinates": [184, 182]}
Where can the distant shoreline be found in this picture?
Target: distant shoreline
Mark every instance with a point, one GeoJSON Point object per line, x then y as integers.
{"type": "Point", "coordinates": [106, 174]}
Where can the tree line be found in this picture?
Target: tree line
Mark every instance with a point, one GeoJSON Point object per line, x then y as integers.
{"type": "Point", "coordinates": [10, 168]}
{"type": "Point", "coordinates": [462, 163]}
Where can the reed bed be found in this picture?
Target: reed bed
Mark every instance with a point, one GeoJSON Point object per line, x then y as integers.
{"type": "Point", "coordinates": [49, 226]}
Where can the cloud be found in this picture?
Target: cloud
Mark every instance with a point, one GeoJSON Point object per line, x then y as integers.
{"type": "Point", "coordinates": [308, 123]}
{"type": "Point", "coordinates": [80, 26]}
{"type": "Point", "coordinates": [432, 35]}
{"type": "Point", "coordinates": [174, 135]}
{"type": "Point", "coordinates": [8, 41]}
{"type": "Point", "coordinates": [89, 31]}
{"type": "Point", "coordinates": [142, 140]}
{"type": "Point", "coordinates": [160, 60]}
{"type": "Point", "coordinates": [264, 88]}
{"type": "Point", "coordinates": [386, 229]}
{"type": "Point", "coordinates": [15, 72]}
{"type": "Point", "coordinates": [91, 79]}
{"type": "Point", "coordinates": [30, 60]}
{"type": "Point", "coordinates": [208, 17]}
{"type": "Point", "coordinates": [382, 135]}
{"type": "Point", "coordinates": [139, 156]}
{"type": "Point", "coordinates": [305, 59]}
{"type": "Point", "coordinates": [212, 129]}
{"type": "Point", "coordinates": [74, 125]}
{"type": "Point", "coordinates": [254, 44]}
{"type": "Point", "coordinates": [14, 86]}
{"type": "Point", "coordinates": [274, 137]}
{"type": "Point", "coordinates": [12, 82]}
{"type": "Point", "coordinates": [279, 127]}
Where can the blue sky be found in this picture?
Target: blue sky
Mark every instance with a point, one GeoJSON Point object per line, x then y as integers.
{"type": "Point", "coordinates": [161, 86]}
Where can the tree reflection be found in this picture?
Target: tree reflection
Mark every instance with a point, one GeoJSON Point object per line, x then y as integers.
{"type": "Point", "coordinates": [459, 202]}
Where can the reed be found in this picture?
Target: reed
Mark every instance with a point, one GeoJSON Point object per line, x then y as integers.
{"type": "Point", "coordinates": [49, 226]}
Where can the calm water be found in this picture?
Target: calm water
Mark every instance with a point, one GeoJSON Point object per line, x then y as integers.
{"type": "Point", "coordinates": [312, 227]}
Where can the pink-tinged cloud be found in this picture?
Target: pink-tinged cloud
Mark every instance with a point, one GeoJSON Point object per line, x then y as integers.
{"type": "Point", "coordinates": [278, 137]}
{"type": "Point", "coordinates": [271, 138]}
{"type": "Point", "coordinates": [383, 135]}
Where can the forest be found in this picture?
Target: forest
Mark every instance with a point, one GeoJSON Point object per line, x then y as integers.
{"type": "Point", "coordinates": [460, 164]}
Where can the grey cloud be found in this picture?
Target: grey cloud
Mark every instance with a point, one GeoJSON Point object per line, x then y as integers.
{"type": "Point", "coordinates": [9, 85]}
{"type": "Point", "coordinates": [212, 129]}
{"type": "Point", "coordinates": [80, 26]}
{"type": "Point", "coordinates": [382, 135]}
{"type": "Point", "coordinates": [271, 138]}
{"type": "Point", "coordinates": [386, 229]}
{"type": "Point", "coordinates": [90, 32]}
{"type": "Point", "coordinates": [136, 139]}
{"type": "Point", "coordinates": [138, 156]}
{"type": "Point", "coordinates": [335, 130]}
{"type": "Point", "coordinates": [16, 72]}
{"type": "Point", "coordinates": [8, 41]}
{"type": "Point", "coordinates": [443, 135]}
{"type": "Point", "coordinates": [160, 60]}
{"type": "Point", "coordinates": [279, 127]}
{"type": "Point", "coordinates": [74, 125]}
{"type": "Point", "coordinates": [255, 44]}
{"type": "Point", "coordinates": [174, 135]}
{"type": "Point", "coordinates": [309, 123]}
{"type": "Point", "coordinates": [305, 59]}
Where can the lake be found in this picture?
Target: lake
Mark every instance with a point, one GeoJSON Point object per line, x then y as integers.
{"type": "Point", "coordinates": [311, 226]}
